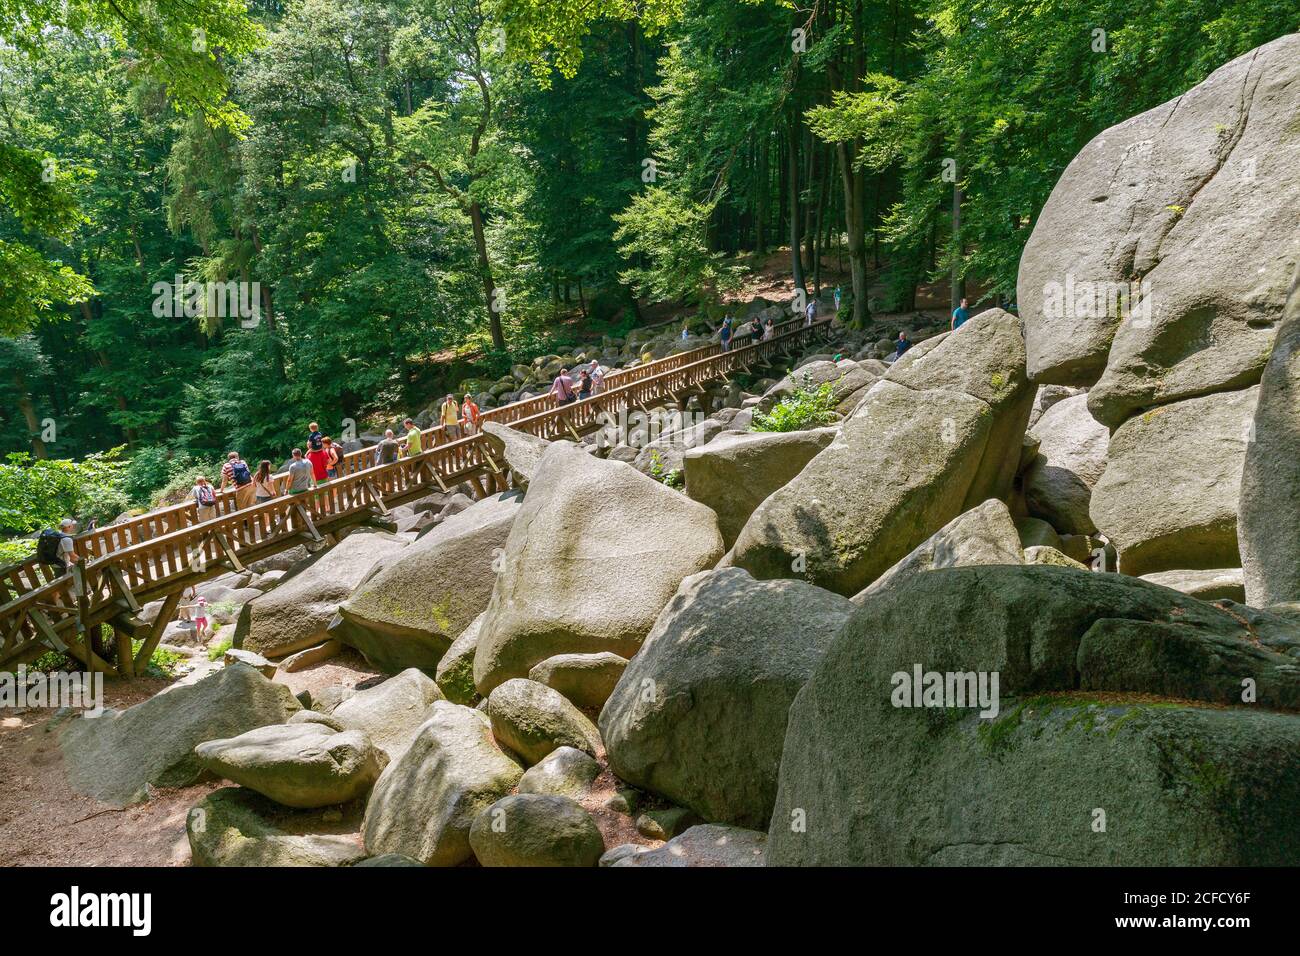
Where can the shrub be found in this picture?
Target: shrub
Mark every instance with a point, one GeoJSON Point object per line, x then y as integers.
{"type": "Point", "coordinates": [807, 407]}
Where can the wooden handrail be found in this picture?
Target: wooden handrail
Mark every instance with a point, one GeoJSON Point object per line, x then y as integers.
{"type": "Point", "coordinates": [189, 551]}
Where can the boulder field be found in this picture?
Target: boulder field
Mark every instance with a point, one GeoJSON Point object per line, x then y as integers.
{"type": "Point", "coordinates": [1029, 594]}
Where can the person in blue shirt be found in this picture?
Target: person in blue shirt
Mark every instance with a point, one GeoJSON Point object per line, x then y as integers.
{"type": "Point", "coordinates": [903, 343]}
{"type": "Point", "coordinates": [726, 334]}
{"type": "Point", "coordinates": [960, 315]}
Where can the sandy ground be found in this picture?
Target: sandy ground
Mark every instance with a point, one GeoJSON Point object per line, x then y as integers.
{"type": "Point", "coordinates": [43, 822]}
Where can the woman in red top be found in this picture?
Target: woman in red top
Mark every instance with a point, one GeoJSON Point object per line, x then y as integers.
{"type": "Point", "coordinates": [320, 463]}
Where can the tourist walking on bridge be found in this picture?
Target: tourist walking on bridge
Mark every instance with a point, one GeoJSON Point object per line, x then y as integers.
{"type": "Point", "coordinates": [236, 473]}
{"type": "Point", "coordinates": [584, 384]}
{"type": "Point", "coordinates": [320, 463]}
{"type": "Point", "coordinates": [769, 329]}
{"type": "Point", "coordinates": [414, 444]}
{"type": "Point", "coordinates": [57, 549]}
{"type": "Point", "coordinates": [264, 483]}
{"type": "Point", "coordinates": [725, 334]}
{"type": "Point", "coordinates": [334, 460]}
{"type": "Point", "coordinates": [301, 474]}
{"type": "Point", "coordinates": [597, 378]}
{"type": "Point", "coordinates": [387, 450]}
{"type": "Point", "coordinates": [562, 388]}
{"type": "Point", "coordinates": [470, 415]}
{"type": "Point", "coordinates": [205, 499]}
{"type": "Point", "coordinates": [450, 418]}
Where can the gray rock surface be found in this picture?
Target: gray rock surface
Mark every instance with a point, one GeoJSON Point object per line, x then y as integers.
{"type": "Point", "coordinates": [294, 615]}
{"type": "Point", "coordinates": [1194, 199]}
{"type": "Point", "coordinates": [426, 801]}
{"type": "Point", "coordinates": [1168, 499]}
{"type": "Point", "coordinates": [580, 574]}
{"type": "Point", "coordinates": [699, 715]}
{"type": "Point", "coordinates": [117, 756]}
{"type": "Point", "coordinates": [409, 613]}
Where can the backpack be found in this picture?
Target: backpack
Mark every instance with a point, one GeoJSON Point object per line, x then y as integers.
{"type": "Point", "coordinates": [316, 441]}
{"type": "Point", "coordinates": [205, 496]}
{"type": "Point", "coordinates": [239, 471]}
{"type": "Point", "coordinates": [47, 547]}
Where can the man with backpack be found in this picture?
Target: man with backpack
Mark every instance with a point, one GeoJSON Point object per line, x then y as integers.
{"type": "Point", "coordinates": [57, 549]}
{"type": "Point", "coordinates": [235, 472]}
{"type": "Point", "coordinates": [205, 499]}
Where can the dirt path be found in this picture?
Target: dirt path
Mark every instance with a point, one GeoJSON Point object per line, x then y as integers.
{"type": "Point", "coordinates": [43, 822]}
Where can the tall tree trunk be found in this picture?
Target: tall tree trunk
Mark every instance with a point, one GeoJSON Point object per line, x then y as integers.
{"type": "Point", "coordinates": [760, 204]}
{"type": "Point", "coordinates": [957, 272]}
{"type": "Point", "coordinates": [792, 187]}
{"type": "Point", "coordinates": [28, 411]}
{"type": "Point", "coordinates": [485, 269]}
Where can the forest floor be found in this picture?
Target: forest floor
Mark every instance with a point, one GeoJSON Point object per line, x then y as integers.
{"type": "Point", "coordinates": [44, 822]}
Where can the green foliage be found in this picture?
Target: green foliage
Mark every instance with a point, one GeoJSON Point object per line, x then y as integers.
{"type": "Point", "coordinates": [218, 650]}
{"type": "Point", "coordinates": [38, 494]}
{"type": "Point", "coordinates": [162, 662]}
{"type": "Point", "coordinates": [667, 232]}
{"type": "Point", "coordinates": [806, 407]}
{"type": "Point", "coordinates": [673, 478]}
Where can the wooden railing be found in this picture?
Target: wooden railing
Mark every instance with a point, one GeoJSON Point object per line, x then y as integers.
{"type": "Point", "coordinates": [174, 549]}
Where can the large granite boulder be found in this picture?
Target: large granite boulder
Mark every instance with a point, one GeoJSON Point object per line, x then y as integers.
{"type": "Point", "coordinates": [699, 715]}
{"type": "Point", "coordinates": [876, 492]}
{"type": "Point", "coordinates": [531, 829]}
{"type": "Point", "coordinates": [410, 612]}
{"type": "Point", "coordinates": [117, 756]}
{"type": "Point", "coordinates": [390, 713]}
{"type": "Point", "coordinates": [302, 765]}
{"type": "Point", "coordinates": [1194, 201]}
{"type": "Point", "coordinates": [1168, 498]}
{"type": "Point", "coordinates": [531, 720]}
{"type": "Point", "coordinates": [985, 359]}
{"type": "Point", "coordinates": [586, 680]}
{"type": "Point", "coordinates": [426, 801]}
{"type": "Point", "coordinates": [936, 437]}
{"type": "Point", "coordinates": [520, 451]}
{"type": "Point", "coordinates": [734, 473]}
{"type": "Point", "coordinates": [237, 827]}
{"type": "Point", "coordinates": [1070, 461]}
{"type": "Point", "coordinates": [1269, 511]}
{"type": "Point", "coordinates": [1003, 715]}
{"type": "Point", "coordinates": [983, 535]}
{"type": "Point", "coordinates": [596, 551]}
{"type": "Point", "coordinates": [295, 615]}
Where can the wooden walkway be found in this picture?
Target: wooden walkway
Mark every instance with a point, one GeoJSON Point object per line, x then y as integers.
{"type": "Point", "coordinates": [159, 554]}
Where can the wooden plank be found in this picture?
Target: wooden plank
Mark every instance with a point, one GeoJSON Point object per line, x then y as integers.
{"type": "Point", "coordinates": [155, 635]}
{"type": "Point", "coordinates": [118, 579]}
{"type": "Point", "coordinates": [379, 499]}
{"type": "Point", "coordinates": [306, 520]}
{"type": "Point", "coordinates": [227, 549]}
{"type": "Point", "coordinates": [125, 663]}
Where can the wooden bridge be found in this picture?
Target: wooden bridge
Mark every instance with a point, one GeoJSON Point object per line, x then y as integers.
{"type": "Point", "coordinates": [159, 554]}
